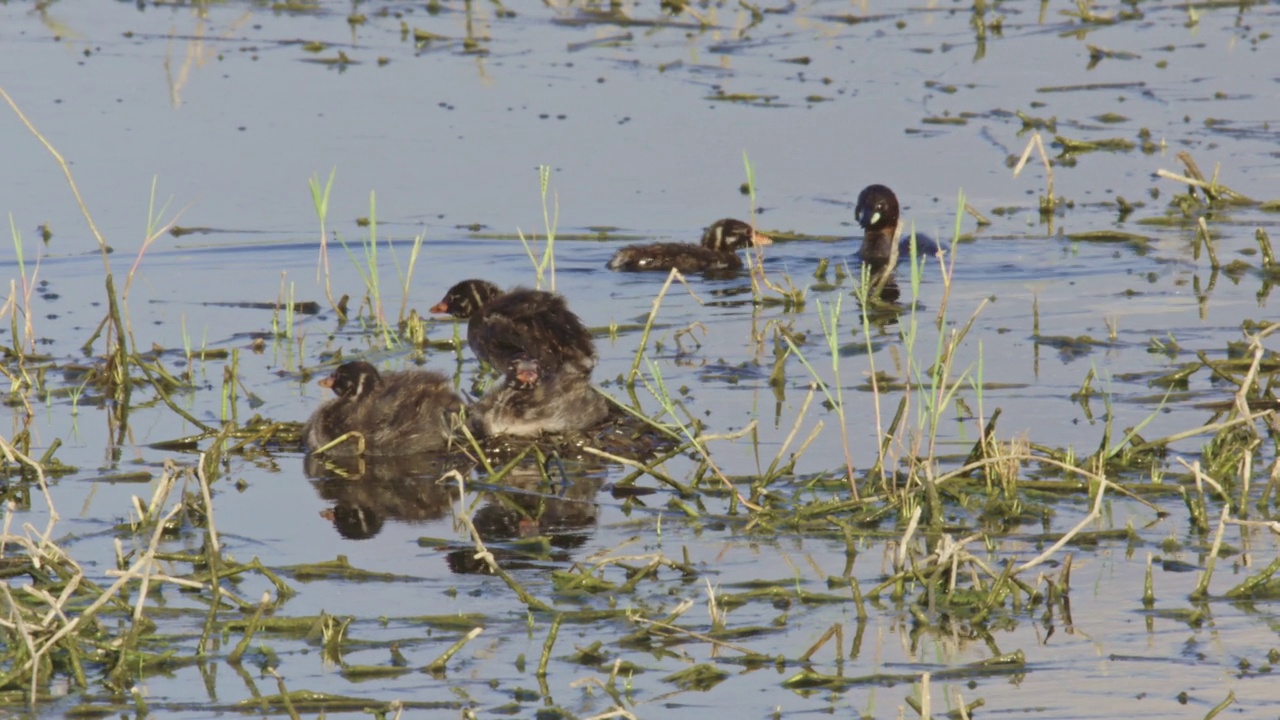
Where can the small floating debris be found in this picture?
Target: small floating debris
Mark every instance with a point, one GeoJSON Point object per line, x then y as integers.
{"type": "Point", "coordinates": [611, 41]}
{"type": "Point", "coordinates": [1110, 236]}
{"type": "Point", "coordinates": [1098, 54]}
{"type": "Point", "coordinates": [747, 98]}
{"type": "Point", "coordinates": [1092, 86]}
{"type": "Point", "coordinates": [1079, 146]}
{"type": "Point", "coordinates": [341, 61]}
{"type": "Point", "coordinates": [1034, 123]}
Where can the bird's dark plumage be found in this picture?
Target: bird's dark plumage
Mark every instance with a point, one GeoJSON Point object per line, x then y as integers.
{"type": "Point", "coordinates": [502, 326]}
{"type": "Point", "coordinates": [716, 253]}
{"type": "Point", "coordinates": [396, 413]}
{"type": "Point", "coordinates": [878, 214]}
{"type": "Point", "coordinates": [532, 401]}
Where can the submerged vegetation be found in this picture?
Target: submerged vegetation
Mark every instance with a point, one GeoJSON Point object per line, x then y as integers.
{"type": "Point", "coordinates": [888, 492]}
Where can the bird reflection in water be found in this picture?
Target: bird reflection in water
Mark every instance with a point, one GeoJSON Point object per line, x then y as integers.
{"type": "Point", "coordinates": [533, 516]}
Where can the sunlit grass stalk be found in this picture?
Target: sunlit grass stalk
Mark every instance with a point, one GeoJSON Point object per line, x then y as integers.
{"type": "Point", "coordinates": [753, 258]}
{"type": "Point", "coordinates": [406, 274]}
{"type": "Point", "coordinates": [550, 643]}
{"type": "Point", "coordinates": [947, 265]}
{"type": "Point", "coordinates": [212, 551]}
{"type": "Point", "coordinates": [1047, 203]}
{"type": "Point", "coordinates": [284, 301]}
{"type": "Point", "coordinates": [372, 277]}
{"type": "Point", "coordinates": [658, 389]}
{"type": "Point", "coordinates": [792, 297]}
{"type": "Point", "coordinates": [155, 229]}
{"type": "Point", "coordinates": [648, 326]}
{"type": "Point", "coordinates": [864, 293]}
{"type": "Point", "coordinates": [186, 346]}
{"type": "Point", "coordinates": [482, 553]}
{"type": "Point", "coordinates": [773, 470]}
{"type": "Point", "coordinates": [280, 300]}
{"type": "Point", "coordinates": [290, 313]}
{"type": "Point", "coordinates": [76, 393]}
{"type": "Point", "coordinates": [546, 266]}
{"type": "Point", "coordinates": [369, 273]}
{"type": "Point", "coordinates": [936, 380]}
{"type": "Point", "coordinates": [829, 317]}
{"type": "Point", "coordinates": [10, 308]}
{"type": "Point", "coordinates": [154, 376]}
{"type": "Point", "coordinates": [117, 350]}
{"type": "Point", "coordinates": [28, 286]}
{"type": "Point", "coordinates": [650, 469]}
{"type": "Point", "coordinates": [320, 199]}
{"type": "Point", "coordinates": [230, 376]}
{"type": "Point", "coordinates": [440, 663]}
{"type": "Point", "coordinates": [250, 629]}
{"type": "Point", "coordinates": [1201, 591]}
{"type": "Point", "coordinates": [1148, 586]}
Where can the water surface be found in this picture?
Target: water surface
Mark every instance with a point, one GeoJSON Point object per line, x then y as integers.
{"type": "Point", "coordinates": [230, 112]}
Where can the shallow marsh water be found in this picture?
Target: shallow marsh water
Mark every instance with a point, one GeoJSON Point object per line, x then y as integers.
{"type": "Point", "coordinates": [226, 107]}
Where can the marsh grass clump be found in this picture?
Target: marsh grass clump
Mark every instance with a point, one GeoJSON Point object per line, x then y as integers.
{"type": "Point", "coordinates": [996, 485]}
{"type": "Point", "coordinates": [63, 623]}
{"type": "Point", "coordinates": [376, 318]}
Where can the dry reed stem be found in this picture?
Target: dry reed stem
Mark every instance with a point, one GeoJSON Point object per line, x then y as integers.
{"type": "Point", "coordinates": [1203, 479]}
{"type": "Point", "coordinates": [441, 662]}
{"type": "Point", "coordinates": [140, 569]}
{"type": "Point", "coordinates": [926, 699]}
{"type": "Point", "coordinates": [647, 469]}
{"type": "Point", "coordinates": [947, 269]}
{"type": "Point", "coordinates": [1202, 588]}
{"type": "Point", "coordinates": [144, 570]}
{"type": "Point", "coordinates": [616, 712]}
{"type": "Point", "coordinates": [958, 702]}
{"type": "Point", "coordinates": [795, 429]}
{"type": "Point", "coordinates": [482, 553]}
{"type": "Point", "coordinates": [653, 314]}
{"type": "Point", "coordinates": [1212, 427]}
{"type": "Point", "coordinates": [831, 632]}
{"type": "Point", "coordinates": [283, 690]}
{"type": "Point", "coordinates": [547, 645]}
{"type": "Point", "coordinates": [900, 558]}
{"type": "Point", "coordinates": [1037, 143]}
{"type": "Point", "coordinates": [66, 170]}
{"type": "Point", "coordinates": [653, 559]}
{"type": "Point", "coordinates": [1094, 513]}
{"type": "Point", "coordinates": [1272, 525]}
{"type": "Point", "coordinates": [146, 244]}
{"type": "Point", "coordinates": [698, 444]}
{"type": "Point", "coordinates": [1203, 236]}
{"type": "Point", "coordinates": [167, 480]}
{"type": "Point", "coordinates": [1194, 178]}
{"type": "Point", "coordinates": [45, 546]}
{"type": "Point", "coordinates": [695, 635]}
